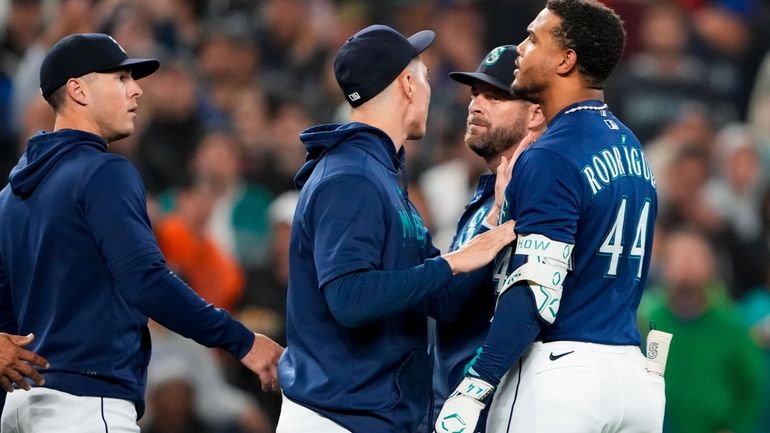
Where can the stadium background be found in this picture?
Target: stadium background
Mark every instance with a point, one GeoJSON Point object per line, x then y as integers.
{"type": "Point", "coordinates": [217, 146]}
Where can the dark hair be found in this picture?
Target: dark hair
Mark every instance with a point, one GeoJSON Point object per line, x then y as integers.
{"type": "Point", "coordinates": [595, 32]}
{"type": "Point", "coordinates": [56, 98]}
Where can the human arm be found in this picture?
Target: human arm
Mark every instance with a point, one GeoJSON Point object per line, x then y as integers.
{"type": "Point", "coordinates": [528, 297]}
{"type": "Point", "coordinates": [366, 296]}
{"type": "Point", "coordinates": [114, 208]}
{"type": "Point", "coordinates": [16, 362]}
{"type": "Point", "coordinates": [347, 217]}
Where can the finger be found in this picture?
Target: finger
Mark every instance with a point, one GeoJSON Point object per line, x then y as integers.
{"type": "Point", "coordinates": [33, 358]}
{"type": "Point", "coordinates": [509, 168]}
{"type": "Point", "coordinates": [265, 380]}
{"type": "Point", "coordinates": [22, 340]}
{"type": "Point", "coordinates": [502, 166]}
{"type": "Point", "coordinates": [17, 378]}
{"type": "Point", "coordinates": [27, 370]}
{"type": "Point", "coordinates": [6, 384]}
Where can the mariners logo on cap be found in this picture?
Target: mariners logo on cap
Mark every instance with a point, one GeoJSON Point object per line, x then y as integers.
{"type": "Point", "coordinates": [494, 56]}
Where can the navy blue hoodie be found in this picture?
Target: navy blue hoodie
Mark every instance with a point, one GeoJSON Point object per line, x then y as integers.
{"type": "Point", "coordinates": [364, 278]}
{"type": "Point", "coordinates": [80, 267]}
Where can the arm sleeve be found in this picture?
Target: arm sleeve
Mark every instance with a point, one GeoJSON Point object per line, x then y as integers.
{"type": "Point", "coordinates": [514, 327]}
{"type": "Point", "coordinates": [116, 212]}
{"type": "Point", "coordinates": [446, 303]}
{"type": "Point", "coordinates": [7, 317]}
{"type": "Point", "coordinates": [543, 200]}
{"type": "Point", "coordinates": [362, 297]}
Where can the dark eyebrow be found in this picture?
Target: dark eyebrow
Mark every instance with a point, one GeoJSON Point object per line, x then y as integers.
{"type": "Point", "coordinates": [531, 33]}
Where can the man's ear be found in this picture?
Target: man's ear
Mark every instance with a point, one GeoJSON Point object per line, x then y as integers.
{"type": "Point", "coordinates": [536, 118]}
{"type": "Point", "coordinates": [406, 84]}
{"type": "Point", "coordinates": [76, 90]}
{"type": "Point", "coordinates": [568, 62]}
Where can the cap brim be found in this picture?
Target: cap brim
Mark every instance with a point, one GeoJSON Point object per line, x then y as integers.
{"type": "Point", "coordinates": [140, 68]}
{"type": "Point", "coordinates": [468, 78]}
{"type": "Point", "coordinates": [422, 40]}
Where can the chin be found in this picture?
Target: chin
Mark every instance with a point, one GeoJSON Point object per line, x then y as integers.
{"type": "Point", "coordinates": [118, 135]}
{"type": "Point", "coordinates": [417, 133]}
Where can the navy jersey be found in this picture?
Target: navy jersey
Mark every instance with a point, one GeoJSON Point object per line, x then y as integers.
{"type": "Point", "coordinates": [585, 182]}
{"type": "Point", "coordinates": [352, 216]}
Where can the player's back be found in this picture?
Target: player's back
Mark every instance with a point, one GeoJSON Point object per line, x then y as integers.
{"type": "Point", "coordinates": [586, 183]}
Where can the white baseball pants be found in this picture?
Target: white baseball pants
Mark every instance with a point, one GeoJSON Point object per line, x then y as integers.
{"type": "Point", "coordinates": [567, 386]}
{"type": "Point", "coordinates": [296, 418]}
{"type": "Point", "coordinates": [45, 410]}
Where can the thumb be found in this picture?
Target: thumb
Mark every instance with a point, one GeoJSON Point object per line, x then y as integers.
{"type": "Point", "coordinates": [22, 340]}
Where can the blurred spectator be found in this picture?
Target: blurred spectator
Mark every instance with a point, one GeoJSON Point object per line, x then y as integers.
{"type": "Point", "coordinates": [662, 80]}
{"type": "Point", "coordinates": [227, 62]}
{"type": "Point", "coordinates": [265, 300]}
{"type": "Point", "coordinates": [759, 108]}
{"type": "Point", "coordinates": [188, 392]}
{"type": "Point", "coordinates": [725, 40]}
{"type": "Point", "coordinates": [192, 254]}
{"type": "Point", "coordinates": [249, 75]}
{"type": "Point", "coordinates": [736, 195]}
{"type": "Point", "coordinates": [172, 399]}
{"type": "Point", "coordinates": [168, 141]}
{"type": "Point", "coordinates": [293, 56]}
{"type": "Point", "coordinates": [19, 29]}
{"type": "Point", "coordinates": [691, 128]}
{"type": "Point", "coordinates": [684, 203]}
{"type": "Point", "coordinates": [284, 154]}
{"type": "Point", "coordinates": [68, 16]}
{"type": "Point", "coordinates": [755, 308]}
{"type": "Point", "coordinates": [714, 376]}
{"type": "Point", "coordinates": [133, 26]}
{"type": "Point", "coordinates": [238, 223]}
{"type": "Point", "coordinates": [264, 303]}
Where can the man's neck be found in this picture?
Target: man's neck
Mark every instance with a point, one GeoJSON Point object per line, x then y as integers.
{"type": "Point", "coordinates": [555, 100]}
{"type": "Point", "coordinates": [387, 123]}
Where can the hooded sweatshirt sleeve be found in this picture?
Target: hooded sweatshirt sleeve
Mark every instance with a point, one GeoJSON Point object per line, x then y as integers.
{"type": "Point", "coordinates": [7, 319]}
{"type": "Point", "coordinates": [115, 209]}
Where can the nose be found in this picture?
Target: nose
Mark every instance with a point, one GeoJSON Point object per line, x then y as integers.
{"type": "Point", "coordinates": [136, 89]}
{"type": "Point", "coordinates": [522, 45]}
{"type": "Point", "coordinates": [475, 105]}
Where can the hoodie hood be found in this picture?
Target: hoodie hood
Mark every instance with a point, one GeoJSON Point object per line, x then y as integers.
{"type": "Point", "coordinates": [320, 139]}
{"type": "Point", "coordinates": [43, 152]}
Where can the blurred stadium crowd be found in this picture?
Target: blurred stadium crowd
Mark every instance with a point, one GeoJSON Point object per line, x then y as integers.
{"type": "Point", "coordinates": [217, 145]}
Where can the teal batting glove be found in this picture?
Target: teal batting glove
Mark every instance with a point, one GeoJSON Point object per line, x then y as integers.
{"type": "Point", "coordinates": [461, 411]}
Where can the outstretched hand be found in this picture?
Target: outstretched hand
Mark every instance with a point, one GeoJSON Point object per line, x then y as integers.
{"type": "Point", "coordinates": [16, 362]}
{"type": "Point", "coordinates": [504, 170]}
{"type": "Point", "coordinates": [482, 249]}
{"type": "Point", "coordinates": [262, 359]}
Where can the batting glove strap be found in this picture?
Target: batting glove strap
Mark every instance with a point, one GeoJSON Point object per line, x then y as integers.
{"type": "Point", "coordinates": [474, 388]}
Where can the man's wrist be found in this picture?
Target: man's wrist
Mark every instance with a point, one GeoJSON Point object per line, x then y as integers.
{"type": "Point", "coordinates": [474, 388]}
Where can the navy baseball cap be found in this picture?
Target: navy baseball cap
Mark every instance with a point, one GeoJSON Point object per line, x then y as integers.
{"type": "Point", "coordinates": [372, 58]}
{"type": "Point", "coordinates": [82, 53]}
{"type": "Point", "coordinates": [496, 69]}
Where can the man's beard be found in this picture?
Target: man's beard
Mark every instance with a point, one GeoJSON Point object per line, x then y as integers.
{"type": "Point", "coordinates": [495, 141]}
{"type": "Point", "coordinates": [531, 93]}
